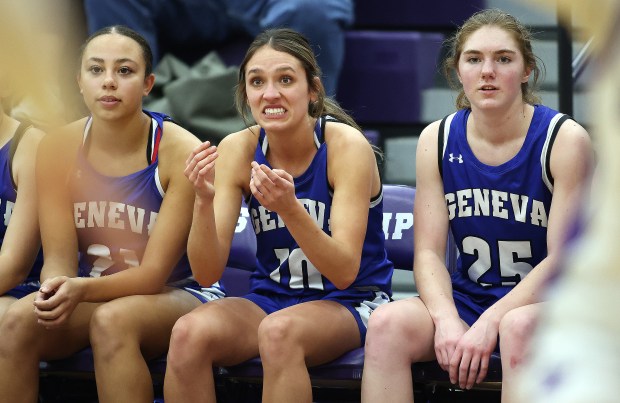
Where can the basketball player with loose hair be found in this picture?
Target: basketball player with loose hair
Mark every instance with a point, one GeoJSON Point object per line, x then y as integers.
{"type": "Point", "coordinates": [314, 194]}
{"type": "Point", "coordinates": [504, 175]}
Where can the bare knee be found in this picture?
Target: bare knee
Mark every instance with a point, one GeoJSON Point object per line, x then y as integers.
{"type": "Point", "coordinates": [190, 342]}
{"type": "Point", "coordinates": [397, 333]}
{"type": "Point", "coordinates": [18, 328]}
{"type": "Point", "coordinates": [515, 330]}
{"type": "Point", "coordinates": [277, 339]}
{"type": "Point", "coordinates": [109, 330]}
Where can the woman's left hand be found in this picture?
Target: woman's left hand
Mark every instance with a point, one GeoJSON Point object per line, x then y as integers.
{"type": "Point", "coordinates": [470, 361]}
{"type": "Point", "coordinates": [273, 188]}
{"type": "Point", "coordinates": [56, 300]}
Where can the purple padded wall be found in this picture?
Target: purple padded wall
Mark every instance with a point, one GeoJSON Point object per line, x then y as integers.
{"type": "Point", "coordinates": [398, 224]}
{"type": "Point", "coordinates": [243, 248]}
{"type": "Point", "coordinates": [385, 72]}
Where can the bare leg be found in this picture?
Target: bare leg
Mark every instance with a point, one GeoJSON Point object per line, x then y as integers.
{"type": "Point", "coordinates": [307, 334]}
{"type": "Point", "coordinates": [128, 331]}
{"type": "Point", "coordinates": [222, 332]}
{"type": "Point", "coordinates": [5, 303]}
{"type": "Point", "coordinates": [399, 333]}
{"type": "Point", "coordinates": [515, 330]}
{"type": "Point", "coordinates": [25, 343]}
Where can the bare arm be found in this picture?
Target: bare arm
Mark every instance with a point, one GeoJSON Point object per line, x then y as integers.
{"type": "Point", "coordinates": [22, 240]}
{"type": "Point", "coordinates": [571, 162]}
{"type": "Point", "coordinates": [55, 209]}
{"type": "Point", "coordinates": [431, 231]}
{"type": "Point", "coordinates": [216, 212]}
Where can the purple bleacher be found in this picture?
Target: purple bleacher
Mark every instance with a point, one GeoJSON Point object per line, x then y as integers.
{"type": "Point", "coordinates": [415, 14]}
{"type": "Point", "coordinates": [385, 72]}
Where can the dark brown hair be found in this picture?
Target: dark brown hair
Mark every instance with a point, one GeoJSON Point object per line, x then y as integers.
{"type": "Point", "coordinates": [147, 53]}
{"type": "Point", "coordinates": [291, 42]}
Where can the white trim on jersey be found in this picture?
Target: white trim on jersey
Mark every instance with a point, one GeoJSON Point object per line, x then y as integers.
{"type": "Point", "coordinates": [89, 123]}
{"type": "Point", "coordinates": [265, 145]}
{"type": "Point", "coordinates": [154, 137]}
{"type": "Point", "coordinates": [545, 154]}
{"type": "Point", "coordinates": [162, 192]}
{"type": "Point", "coordinates": [377, 200]}
{"type": "Point", "coordinates": [446, 132]}
{"type": "Point", "coordinates": [317, 143]}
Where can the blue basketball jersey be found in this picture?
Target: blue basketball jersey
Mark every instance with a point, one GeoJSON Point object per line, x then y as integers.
{"type": "Point", "coordinates": [8, 195]}
{"type": "Point", "coordinates": [115, 215]}
{"type": "Point", "coordinates": [282, 267]}
{"type": "Point", "coordinates": [498, 214]}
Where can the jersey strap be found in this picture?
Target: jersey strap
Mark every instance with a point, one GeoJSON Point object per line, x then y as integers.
{"type": "Point", "coordinates": [152, 147]}
{"type": "Point", "coordinates": [19, 133]}
{"type": "Point", "coordinates": [545, 155]}
{"type": "Point", "coordinates": [442, 140]}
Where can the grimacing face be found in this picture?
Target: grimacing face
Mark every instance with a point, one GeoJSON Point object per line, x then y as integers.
{"type": "Point", "coordinates": [277, 89]}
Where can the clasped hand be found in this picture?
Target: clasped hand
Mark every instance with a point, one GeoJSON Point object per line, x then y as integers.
{"type": "Point", "coordinates": [55, 301]}
{"type": "Point", "coordinates": [469, 361]}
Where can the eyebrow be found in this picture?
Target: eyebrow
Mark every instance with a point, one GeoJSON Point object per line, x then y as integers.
{"type": "Point", "coordinates": [279, 69]}
{"type": "Point", "coordinates": [476, 52]}
{"type": "Point", "coordinates": [117, 61]}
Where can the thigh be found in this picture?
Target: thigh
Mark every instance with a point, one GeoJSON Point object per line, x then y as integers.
{"type": "Point", "coordinates": [20, 324]}
{"type": "Point", "coordinates": [5, 302]}
{"type": "Point", "coordinates": [325, 329]}
{"type": "Point", "coordinates": [148, 318]}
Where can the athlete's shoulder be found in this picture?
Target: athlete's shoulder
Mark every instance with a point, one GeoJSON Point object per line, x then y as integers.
{"type": "Point", "coordinates": [429, 135]}
{"type": "Point", "coordinates": [241, 143]}
{"type": "Point", "coordinates": [341, 137]}
{"type": "Point", "coordinates": [69, 135]}
{"type": "Point", "coordinates": [176, 140]}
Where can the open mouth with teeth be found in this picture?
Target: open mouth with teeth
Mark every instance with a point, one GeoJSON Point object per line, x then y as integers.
{"type": "Point", "coordinates": [274, 111]}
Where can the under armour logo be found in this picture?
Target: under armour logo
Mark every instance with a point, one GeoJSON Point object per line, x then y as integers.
{"type": "Point", "coordinates": [459, 158]}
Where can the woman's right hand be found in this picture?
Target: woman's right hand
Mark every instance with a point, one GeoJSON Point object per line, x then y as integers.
{"type": "Point", "coordinates": [56, 300]}
{"type": "Point", "coordinates": [447, 335]}
{"type": "Point", "coordinates": [200, 169]}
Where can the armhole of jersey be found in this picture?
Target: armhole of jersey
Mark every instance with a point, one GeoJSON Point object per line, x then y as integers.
{"type": "Point", "coordinates": [440, 147]}
{"type": "Point", "coordinates": [152, 146]}
{"type": "Point", "coordinates": [545, 157]}
{"type": "Point", "coordinates": [442, 140]}
{"type": "Point", "coordinates": [19, 133]}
